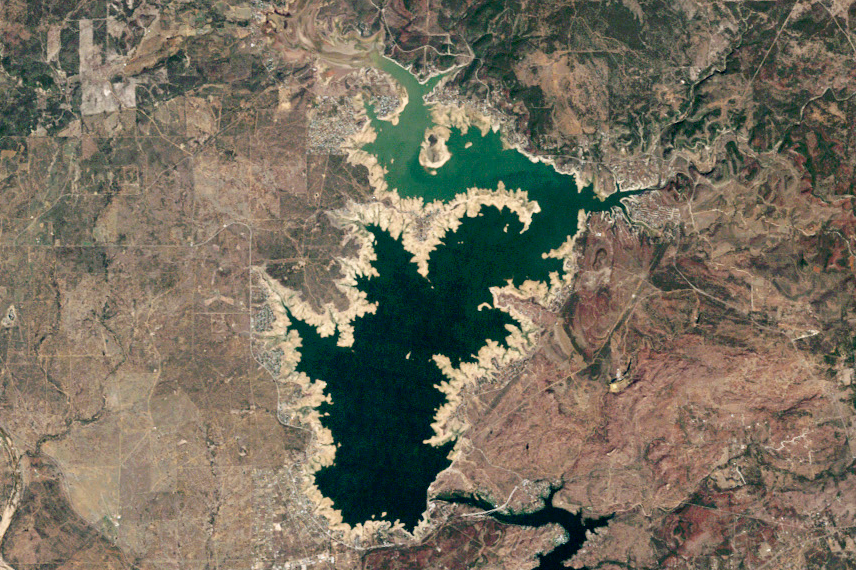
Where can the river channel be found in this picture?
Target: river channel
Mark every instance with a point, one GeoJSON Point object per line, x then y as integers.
{"type": "Point", "coordinates": [575, 526]}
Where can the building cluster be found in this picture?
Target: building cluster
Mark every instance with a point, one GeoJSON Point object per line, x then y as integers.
{"type": "Point", "coordinates": [271, 360]}
{"type": "Point", "coordinates": [648, 210]}
{"type": "Point", "coordinates": [263, 320]}
{"type": "Point", "coordinates": [446, 96]}
{"type": "Point", "coordinates": [385, 105]}
{"type": "Point", "coordinates": [331, 123]}
{"type": "Point", "coordinates": [288, 532]}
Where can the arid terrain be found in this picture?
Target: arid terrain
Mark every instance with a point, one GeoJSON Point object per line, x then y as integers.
{"type": "Point", "coordinates": [173, 174]}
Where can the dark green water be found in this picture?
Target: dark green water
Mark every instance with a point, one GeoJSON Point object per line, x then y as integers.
{"type": "Point", "coordinates": [575, 526]}
{"type": "Point", "coordinates": [383, 388]}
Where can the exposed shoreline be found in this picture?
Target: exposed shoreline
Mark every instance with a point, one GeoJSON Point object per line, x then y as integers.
{"type": "Point", "coordinates": [433, 152]}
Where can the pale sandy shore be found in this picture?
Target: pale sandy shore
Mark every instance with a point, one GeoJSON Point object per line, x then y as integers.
{"type": "Point", "coordinates": [421, 227]}
{"type": "Point", "coordinates": [462, 118]}
{"type": "Point", "coordinates": [433, 155]}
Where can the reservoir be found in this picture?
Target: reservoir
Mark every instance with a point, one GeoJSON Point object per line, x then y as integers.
{"type": "Point", "coordinates": [384, 387]}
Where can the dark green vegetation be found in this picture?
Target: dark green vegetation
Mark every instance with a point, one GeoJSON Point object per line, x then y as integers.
{"type": "Point", "coordinates": [47, 515]}
{"type": "Point", "coordinates": [30, 93]}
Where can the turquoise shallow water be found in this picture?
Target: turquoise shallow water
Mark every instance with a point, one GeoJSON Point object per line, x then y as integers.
{"type": "Point", "coordinates": [384, 387]}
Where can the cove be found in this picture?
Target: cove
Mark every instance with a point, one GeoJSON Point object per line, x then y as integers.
{"type": "Point", "coordinates": [574, 526]}
{"type": "Point", "coordinates": [383, 388]}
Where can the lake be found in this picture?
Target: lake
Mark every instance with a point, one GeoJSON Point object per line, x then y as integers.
{"type": "Point", "coordinates": [384, 387]}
